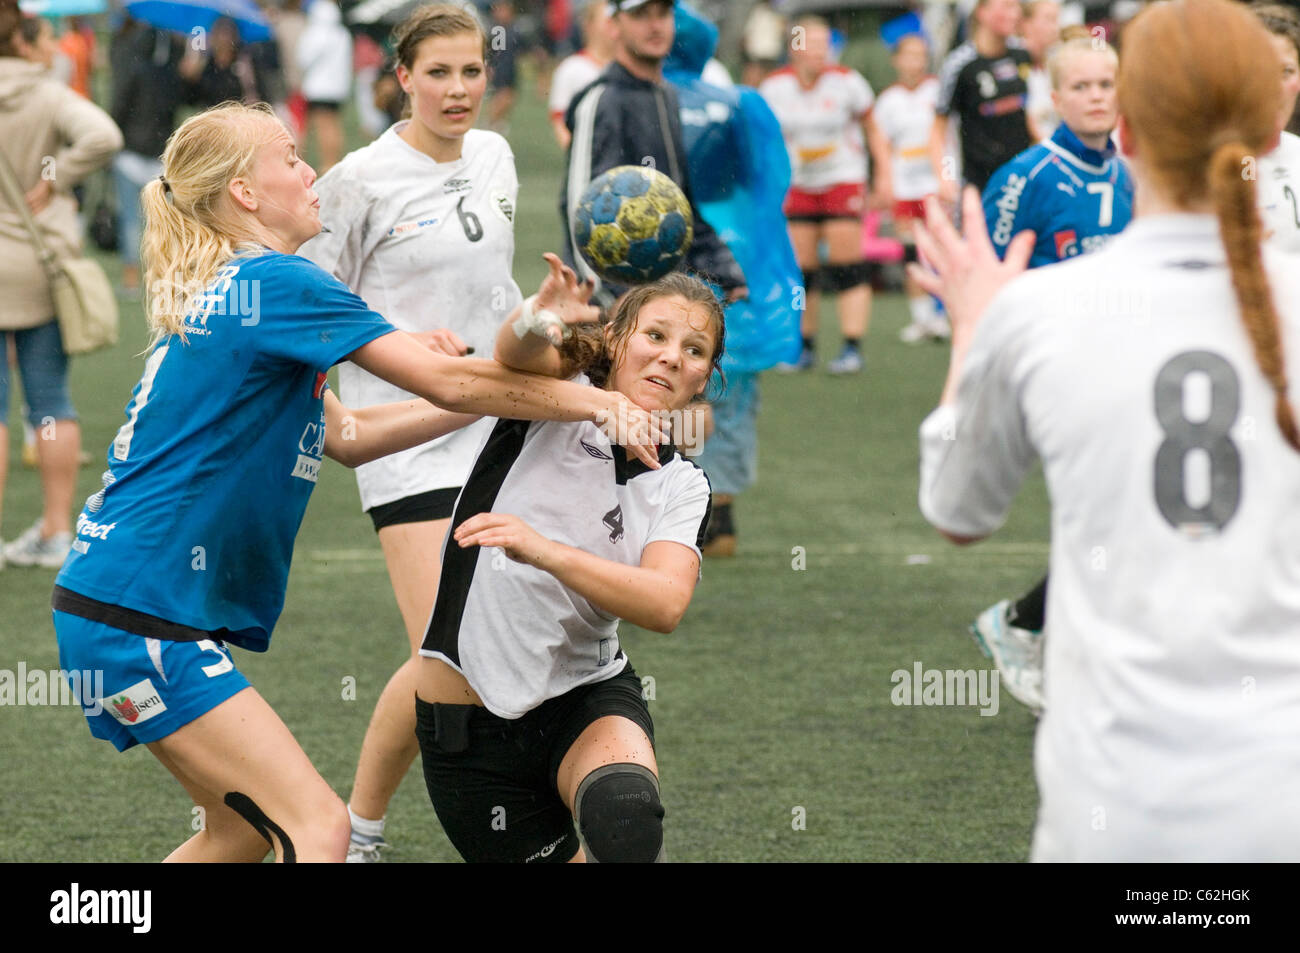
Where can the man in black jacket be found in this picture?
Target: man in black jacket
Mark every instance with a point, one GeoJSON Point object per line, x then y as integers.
{"type": "Point", "coordinates": [629, 116]}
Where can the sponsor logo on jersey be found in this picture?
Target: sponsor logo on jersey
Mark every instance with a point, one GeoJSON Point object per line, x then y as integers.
{"type": "Point", "coordinates": [311, 447]}
{"type": "Point", "coordinates": [92, 530]}
{"type": "Point", "coordinates": [1008, 204]}
{"type": "Point", "coordinates": [307, 468]}
{"type": "Point", "coordinates": [1067, 243]}
{"type": "Point", "coordinates": [1006, 69]}
{"type": "Point", "coordinates": [138, 703]}
{"type": "Point", "coordinates": [504, 208]}
{"type": "Point", "coordinates": [406, 228]}
{"type": "Point", "coordinates": [594, 451]}
{"type": "Point", "coordinates": [614, 520]}
{"type": "Point", "coordinates": [1000, 107]}
{"type": "Point", "coordinates": [319, 387]}
{"type": "Point", "coordinates": [453, 186]}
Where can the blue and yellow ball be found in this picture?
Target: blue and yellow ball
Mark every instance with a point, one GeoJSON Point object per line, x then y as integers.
{"type": "Point", "coordinates": [632, 225]}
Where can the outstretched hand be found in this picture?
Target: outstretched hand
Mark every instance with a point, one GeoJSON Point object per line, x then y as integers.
{"type": "Point", "coordinates": [563, 297]}
{"type": "Point", "coordinates": [516, 538]}
{"type": "Point", "coordinates": [635, 429]}
{"type": "Point", "coordinates": [963, 271]}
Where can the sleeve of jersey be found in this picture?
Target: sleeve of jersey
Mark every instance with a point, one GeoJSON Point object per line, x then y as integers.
{"type": "Point", "coordinates": [948, 75]}
{"type": "Point", "coordinates": [683, 518]}
{"type": "Point", "coordinates": [310, 317]}
{"type": "Point", "coordinates": [343, 210]}
{"type": "Point", "coordinates": [975, 452]}
{"type": "Point", "coordinates": [1007, 205]}
{"type": "Point", "coordinates": [863, 97]}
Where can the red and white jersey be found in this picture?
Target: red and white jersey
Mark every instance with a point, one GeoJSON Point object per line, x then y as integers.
{"type": "Point", "coordinates": [822, 125]}
{"type": "Point", "coordinates": [905, 117]}
{"type": "Point", "coordinates": [574, 74]}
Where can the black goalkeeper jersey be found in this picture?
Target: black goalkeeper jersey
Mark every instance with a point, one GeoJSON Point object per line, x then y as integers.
{"type": "Point", "coordinates": [988, 95]}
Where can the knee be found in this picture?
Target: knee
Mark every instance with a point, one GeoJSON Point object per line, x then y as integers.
{"type": "Point", "coordinates": [620, 815]}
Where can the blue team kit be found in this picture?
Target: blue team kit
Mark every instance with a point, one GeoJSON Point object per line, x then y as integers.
{"type": "Point", "coordinates": [1071, 197]}
{"type": "Point", "coordinates": [190, 539]}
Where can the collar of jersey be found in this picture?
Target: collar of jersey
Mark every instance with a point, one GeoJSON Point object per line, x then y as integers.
{"type": "Point", "coordinates": [625, 467]}
{"type": "Point", "coordinates": [1172, 226]}
{"type": "Point", "coordinates": [1067, 145]}
{"type": "Point", "coordinates": [451, 166]}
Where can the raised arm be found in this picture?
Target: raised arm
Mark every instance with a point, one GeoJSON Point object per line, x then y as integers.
{"type": "Point", "coordinates": [530, 342]}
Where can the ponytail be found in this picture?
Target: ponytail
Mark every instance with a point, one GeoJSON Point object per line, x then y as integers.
{"type": "Point", "coordinates": [1233, 196]}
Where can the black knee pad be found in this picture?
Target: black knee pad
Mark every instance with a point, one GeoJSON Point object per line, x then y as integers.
{"type": "Point", "coordinates": [810, 280]}
{"type": "Point", "coordinates": [837, 278]}
{"type": "Point", "coordinates": [620, 815]}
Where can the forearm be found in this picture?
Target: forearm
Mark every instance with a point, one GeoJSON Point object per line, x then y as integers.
{"type": "Point", "coordinates": [645, 597]}
{"type": "Point", "coordinates": [354, 437]}
{"type": "Point", "coordinates": [532, 353]}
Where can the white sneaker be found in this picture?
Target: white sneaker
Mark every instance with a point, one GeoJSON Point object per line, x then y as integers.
{"type": "Point", "coordinates": [938, 329]}
{"type": "Point", "coordinates": [849, 362]}
{"type": "Point", "coordinates": [914, 333]}
{"type": "Point", "coordinates": [366, 853]}
{"type": "Point", "coordinates": [31, 549]}
{"type": "Point", "coordinates": [1017, 652]}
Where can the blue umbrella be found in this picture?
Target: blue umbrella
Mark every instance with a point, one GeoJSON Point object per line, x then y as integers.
{"type": "Point", "coordinates": [184, 16]}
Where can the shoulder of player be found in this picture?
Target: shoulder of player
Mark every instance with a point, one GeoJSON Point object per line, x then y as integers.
{"type": "Point", "coordinates": [958, 60]}
{"type": "Point", "coordinates": [484, 143]}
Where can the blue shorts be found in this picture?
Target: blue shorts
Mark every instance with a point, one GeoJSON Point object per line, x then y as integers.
{"type": "Point", "coordinates": [150, 687]}
{"type": "Point", "coordinates": [44, 370]}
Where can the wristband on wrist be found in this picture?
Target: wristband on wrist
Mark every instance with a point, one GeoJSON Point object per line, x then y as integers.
{"type": "Point", "coordinates": [539, 322]}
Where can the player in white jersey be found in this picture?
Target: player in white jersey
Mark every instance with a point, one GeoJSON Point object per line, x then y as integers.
{"type": "Point", "coordinates": [579, 70]}
{"type": "Point", "coordinates": [1151, 380]}
{"type": "Point", "coordinates": [1040, 33]}
{"type": "Point", "coordinates": [421, 226]}
{"type": "Point", "coordinates": [528, 715]}
{"type": "Point", "coordinates": [904, 114]}
{"type": "Point", "coordinates": [824, 110]}
{"type": "Point", "coordinates": [1279, 171]}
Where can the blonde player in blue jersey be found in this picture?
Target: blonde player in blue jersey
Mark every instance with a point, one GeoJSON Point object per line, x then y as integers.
{"type": "Point", "coordinates": [1151, 379]}
{"type": "Point", "coordinates": [420, 224]}
{"type": "Point", "coordinates": [187, 546]}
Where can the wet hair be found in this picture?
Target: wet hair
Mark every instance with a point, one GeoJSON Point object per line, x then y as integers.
{"type": "Point", "coordinates": [587, 350]}
{"type": "Point", "coordinates": [434, 19]}
{"type": "Point", "coordinates": [1070, 48]}
{"type": "Point", "coordinates": [1198, 122]}
{"type": "Point", "coordinates": [190, 228]}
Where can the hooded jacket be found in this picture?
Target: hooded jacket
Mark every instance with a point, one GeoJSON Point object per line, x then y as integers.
{"type": "Point", "coordinates": [48, 132]}
{"type": "Point", "coordinates": [636, 122]}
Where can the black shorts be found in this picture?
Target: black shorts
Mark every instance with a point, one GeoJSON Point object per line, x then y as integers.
{"type": "Point", "coordinates": [492, 780]}
{"type": "Point", "coordinates": [325, 104]}
{"type": "Point", "coordinates": [433, 505]}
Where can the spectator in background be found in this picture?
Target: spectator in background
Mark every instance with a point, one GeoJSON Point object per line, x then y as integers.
{"type": "Point", "coordinates": [78, 44]}
{"type": "Point", "coordinates": [369, 62]}
{"type": "Point", "coordinates": [580, 70]}
{"type": "Point", "coordinates": [225, 74]}
{"type": "Point", "coordinates": [504, 43]}
{"type": "Point", "coordinates": [763, 43]}
{"type": "Point", "coordinates": [42, 47]}
{"type": "Point", "coordinates": [983, 83]}
{"type": "Point", "coordinates": [740, 172]}
{"type": "Point", "coordinates": [40, 119]}
{"type": "Point", "coordinates": [1040, 31]}
{"type": "Point", "coordinates": [325, 58]}
{"type": "Point", "coordinates": [287, 24]}
{"type": "Point", "coordinates": [146, 95]}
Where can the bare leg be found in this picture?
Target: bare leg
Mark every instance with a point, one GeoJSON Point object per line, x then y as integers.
{"type": "Point", "coordinates": [241, 749]}
{"type": "Point", "coordinates": [803, 236]}
{"type": "Point", "coordinates": [412, 551]}
{"type": "Point", "coordinates": [609, 740]}
{"type": "Point", "coordinates": [844, 245]}
{"type": "Point", "coordinates": [58, 452]}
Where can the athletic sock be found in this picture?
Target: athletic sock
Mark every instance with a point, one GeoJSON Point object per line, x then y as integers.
{"type": "Point", "coordinates": [1029, 610]}
{"type": "Point", "coordinates": [364, 829]}
{"type": "Point", "coordinates": [852, 344]}
{"type": "Point", "coordinates": [922, 309]}
{"type": "Point", "coordinates": [809, 344]}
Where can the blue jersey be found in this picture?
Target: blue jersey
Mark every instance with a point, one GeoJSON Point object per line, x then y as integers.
{"type": "Point", "coordinates": [210, 475]}
{"type": "Point", "coordinates": [1071, 197]}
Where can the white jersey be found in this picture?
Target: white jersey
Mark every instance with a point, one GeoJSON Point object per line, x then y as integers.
{"type": "Point", "coordinates": [1278, 184]}
{"type": "Point", "coordinates": [905, 118]}
{"type": "Point", "coordinates": [1038, 103]}
{"type": "Point", "coordinates": [517, 634]}
{"type": "Point", "coordinates": [428, 245]}
{"type": "Point", "coordinates": [574, 74]}
{"type": "Point", "coordinates": [822, 125]}
{"type": "Point", "coordinates": [1172, 668]}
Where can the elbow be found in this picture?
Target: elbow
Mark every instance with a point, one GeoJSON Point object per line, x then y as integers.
{"type": "Point", "coordinates": [667, 617]}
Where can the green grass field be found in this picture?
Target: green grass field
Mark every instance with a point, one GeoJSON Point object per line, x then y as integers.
{"type": "Point", "coordinates": [777, 738]}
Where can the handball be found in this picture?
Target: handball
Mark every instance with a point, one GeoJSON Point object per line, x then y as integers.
{"type": "Point", "coordinates": [632, 225]}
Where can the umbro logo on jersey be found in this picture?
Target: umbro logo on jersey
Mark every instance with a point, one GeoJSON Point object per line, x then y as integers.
{"type": "Point", "coordinates": [594, 451]}
{"type": "Point", "coordinates": [614, 520]}
{"type": "Point", "coordinates": [457, 185]}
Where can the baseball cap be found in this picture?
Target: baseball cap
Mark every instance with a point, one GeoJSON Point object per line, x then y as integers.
{"type": "Point", "coordinates": [620, 6]}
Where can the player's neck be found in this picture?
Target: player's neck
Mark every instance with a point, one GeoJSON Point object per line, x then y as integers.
{"type": "Point", "coordinates": [652, 71]}
{"type": "Point", "coordinates": [1096, 141]}
{"type": "Point", "coordinates": [418, 137]}
{"type": "Point", "coordinates": [987, 43]}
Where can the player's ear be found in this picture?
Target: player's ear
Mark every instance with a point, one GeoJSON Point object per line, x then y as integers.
{"type": "Point", "coordinates": [242, 194]}
{"type": "Point", "coordinates": [404, 78]}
